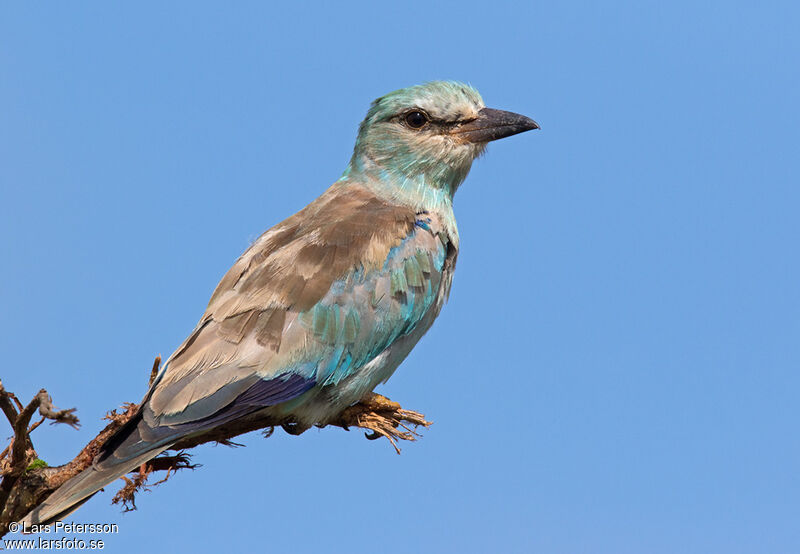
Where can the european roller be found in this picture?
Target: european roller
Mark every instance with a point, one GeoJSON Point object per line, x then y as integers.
{"type": "Point", "coordinates": [325, 305]}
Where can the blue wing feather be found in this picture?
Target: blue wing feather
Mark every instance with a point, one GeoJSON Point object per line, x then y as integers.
{"type": "Point", "coordinates": [360, 314]}
{"type": "Point", "coordinates": [409, 288]}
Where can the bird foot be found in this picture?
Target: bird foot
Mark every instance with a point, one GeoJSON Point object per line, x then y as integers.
{"type": "Point", "coordinates": [382, 418]}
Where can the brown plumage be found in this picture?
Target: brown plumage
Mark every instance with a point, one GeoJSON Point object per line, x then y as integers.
{"type": "Point", "coordinates": [325, 305]}
{"type": "Point", "coordinates": [286, 271]}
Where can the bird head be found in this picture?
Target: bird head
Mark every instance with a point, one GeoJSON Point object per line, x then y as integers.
{"type": "Point", "coordinates": [424, 138]}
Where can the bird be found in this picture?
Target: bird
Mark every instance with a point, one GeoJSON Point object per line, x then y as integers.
{"type": "Point", "coordinates": [325, 305]}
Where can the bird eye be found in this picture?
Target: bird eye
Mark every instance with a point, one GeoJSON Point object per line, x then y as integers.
{"type": "Point", "coordinates": [416, 119]}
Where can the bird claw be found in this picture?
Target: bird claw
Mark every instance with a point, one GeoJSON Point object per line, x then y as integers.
{"type": "Point", "coordinates": [295, 428]}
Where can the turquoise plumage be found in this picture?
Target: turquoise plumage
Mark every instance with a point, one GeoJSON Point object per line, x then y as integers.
{"type": "Point", "coordinates": [325, 305]}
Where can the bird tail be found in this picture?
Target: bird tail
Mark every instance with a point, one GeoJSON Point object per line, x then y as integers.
{"type": "Point", "coordinates": [72, 494]}
{"type": "Point", "coordinates": [134, 444]}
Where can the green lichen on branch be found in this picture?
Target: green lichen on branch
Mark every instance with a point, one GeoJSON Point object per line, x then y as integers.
{"type": "Point", "coordinates": [36, 464]}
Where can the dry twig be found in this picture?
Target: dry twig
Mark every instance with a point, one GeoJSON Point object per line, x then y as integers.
{"type": "Point", "coordinates": [171, 464]}
{"type": "Point", "coordinates": [15, 460]}
{"type": "Point", "coordinates": [383, 418]}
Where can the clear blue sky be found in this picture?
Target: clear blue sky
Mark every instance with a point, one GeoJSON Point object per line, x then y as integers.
{"type": "Point", "coordinates": [618, 367]}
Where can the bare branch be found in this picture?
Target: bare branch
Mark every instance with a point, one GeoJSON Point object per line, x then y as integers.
{"type": "Point", "coordinates": [154, 371]}
{"type": "Point", "coordinates": [47, 410]}
{"type": "Point", "coordinates": [33, 427]}
{"type": "Point", "coordinates": [5, 404]}
{"type": "Point", "coordinates": [21, 447]}
{"type": "Point", "coordinates": [23, 486]}
{"type": "Point", "coordinates": [382, 418]}
{"type": "Point", "coordinates": [16, 401]}
{"type": "Point", "coordinates": [21, 439]}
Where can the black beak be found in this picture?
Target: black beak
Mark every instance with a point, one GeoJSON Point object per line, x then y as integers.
{"type": "Point", "coordinates": [494, 124]}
